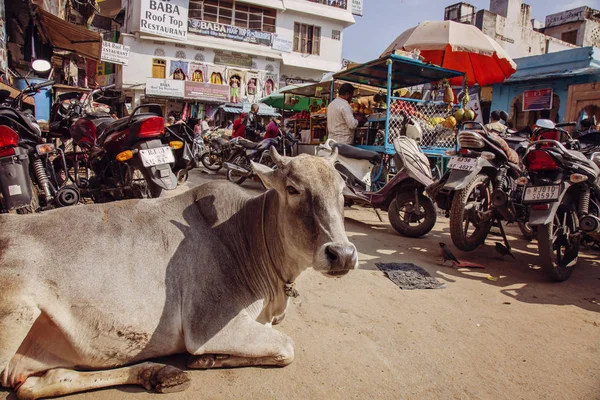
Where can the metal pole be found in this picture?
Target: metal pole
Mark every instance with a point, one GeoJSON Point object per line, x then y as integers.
{"type": "Point", "coordinates": [390, 64]}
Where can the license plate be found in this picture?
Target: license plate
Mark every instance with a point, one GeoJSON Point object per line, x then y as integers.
{"type": "Point", "coordinates": [462, 163]}
{"type": "Point", "coordinates": [157, 156]}
{"type": "Point", "coordinates": [542, 193]}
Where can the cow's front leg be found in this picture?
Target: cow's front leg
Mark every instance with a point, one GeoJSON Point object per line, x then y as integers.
{"type": "Point", "coordinates": [242, 343]}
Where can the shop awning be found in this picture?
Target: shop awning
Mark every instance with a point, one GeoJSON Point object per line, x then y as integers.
{"type": "Point", "coordinates": [232, 110]}
{"type": "Point", "coordinates": [263, 110]}
{"type": "Point", "coordinates": [64, 35]}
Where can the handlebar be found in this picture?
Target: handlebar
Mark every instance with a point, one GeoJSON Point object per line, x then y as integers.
{"type": "Point", "coordinates": [37, 86]}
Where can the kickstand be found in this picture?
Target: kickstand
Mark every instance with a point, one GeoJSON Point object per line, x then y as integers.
{"type": "Point", "coordinates": [378, 216]}
{"type": "Point", "coordinates": [503, 235]}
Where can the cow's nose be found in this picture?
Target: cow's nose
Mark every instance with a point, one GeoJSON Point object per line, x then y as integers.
{"type": "Point", "coordinates": [341, 256]}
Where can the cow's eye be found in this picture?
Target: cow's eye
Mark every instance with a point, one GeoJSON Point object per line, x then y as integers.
{"type": "Point", "coordinates": [291, 190]}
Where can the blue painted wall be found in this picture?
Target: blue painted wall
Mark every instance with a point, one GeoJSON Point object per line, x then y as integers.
{"type": "Point", "coordinates": [553, 70]}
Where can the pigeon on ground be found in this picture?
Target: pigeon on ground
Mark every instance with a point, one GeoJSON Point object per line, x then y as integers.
{"type": "Point", "coordinates": [503, 250]}
{"type": "Point", "coordinates": [447, 254]}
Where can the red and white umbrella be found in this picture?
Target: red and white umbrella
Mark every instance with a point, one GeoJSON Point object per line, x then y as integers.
{"type": "Point", "coordinates": [460, 47]}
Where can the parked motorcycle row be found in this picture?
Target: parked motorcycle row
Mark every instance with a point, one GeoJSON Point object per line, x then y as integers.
{"type": "Point", "coordinates": [543, 179]}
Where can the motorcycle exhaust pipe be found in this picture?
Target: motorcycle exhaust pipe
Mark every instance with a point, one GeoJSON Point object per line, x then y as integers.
{"type": "Point", "coordinates": [500, 202]}
{"type": "Point", "coordinates": [237, 168]}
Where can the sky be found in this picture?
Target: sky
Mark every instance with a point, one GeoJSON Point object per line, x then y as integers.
{"type": "Point", "coordinates": [384, 20]}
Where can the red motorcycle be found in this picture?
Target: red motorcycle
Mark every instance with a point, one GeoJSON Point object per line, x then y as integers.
{"type": "Point", "coordinates": [122, 158]}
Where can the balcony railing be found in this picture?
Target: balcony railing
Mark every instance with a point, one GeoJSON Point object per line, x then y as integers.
{"type": "Point", "coordinates": [333, 3]}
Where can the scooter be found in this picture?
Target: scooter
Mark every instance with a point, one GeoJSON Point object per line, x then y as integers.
{"type": "Point", "coordinates": [411, 213]}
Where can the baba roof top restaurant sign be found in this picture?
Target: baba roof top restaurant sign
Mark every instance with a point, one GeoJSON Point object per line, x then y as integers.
{"type": "Point", "coordinates": [166, 18]}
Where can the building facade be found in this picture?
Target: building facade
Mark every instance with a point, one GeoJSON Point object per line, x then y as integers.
{"type": "Point", "coordinates": [579, 26]}
{"type": "Point", "coordinates": [210, 52]}
{"type": "Point", "coordinates": [509, 23]}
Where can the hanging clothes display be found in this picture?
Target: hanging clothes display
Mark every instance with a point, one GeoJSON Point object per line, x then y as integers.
{"type": "Point", "coordinates": [236, 79]}
{"type": "Point", "coordinates": [252, 86]}
{"type": "Point", "coordinates": [216, 74]}
{"type": "Point", "coordinates": [198, 72]}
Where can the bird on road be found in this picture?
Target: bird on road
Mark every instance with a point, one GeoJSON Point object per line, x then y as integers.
{"type": "Point", "coordinates": [503, 250]}
{"type": "Point", "coordinates": [447, 254]}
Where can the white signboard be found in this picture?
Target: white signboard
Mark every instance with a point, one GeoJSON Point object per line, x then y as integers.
{"type": "Point", "coordinates": [168, 18]}
{"type": "Point", "coordinates": [357, 7]}
{"type": "Point", "coordinates": [282, 43]}
{"type": "Point", "coordinates": [165, 87]}
{"type": "Point", "coordinates": [577, 14]}
{"type": "Point", "coordinates": [115, 53]}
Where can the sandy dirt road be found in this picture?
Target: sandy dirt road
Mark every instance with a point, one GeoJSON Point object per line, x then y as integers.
{"type": "Point", "coordinates": [361, 337]}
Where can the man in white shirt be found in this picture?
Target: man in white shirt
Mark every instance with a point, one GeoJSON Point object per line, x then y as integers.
{"type": "Point", "coordinates": [205, 126]}
{"type": "Point", "coordinates": [340, 118]}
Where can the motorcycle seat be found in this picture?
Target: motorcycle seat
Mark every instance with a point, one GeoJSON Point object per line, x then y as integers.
{"type": "Point", "coordinates": [248, 143]}
{"type": "Point", "coordinates": [345, 150]}
{"type": "Point", "coordinates": [584, 160]}
{"type": "Point", "coordinates": [516, 139]}
{"type": "Point", "coordinates": [13, 114]}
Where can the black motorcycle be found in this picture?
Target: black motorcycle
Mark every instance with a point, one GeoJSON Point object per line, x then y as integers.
{"type": "Point", "coordinates": [218, 151]}
{"type": "Point", "coordinates": [188, 149]}
{"type": "Point", "coordinates": [27, 179]}
{"type": "Point", "coordinates": [246, 151]}
{"type": "Point", "coordinates": [480, 188]}
{"type": "Point", "coordinates": [563, 197]}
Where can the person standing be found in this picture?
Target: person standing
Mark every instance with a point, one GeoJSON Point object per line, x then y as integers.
{"type": "Point", "coordinates": [272, 129]}
{"type": "Point", "coordinates": [198, 128]}
{"type": "Point", "coordinates": [238, 127]}
{"type": "Point", "coordinates": [340, 118]}
{"type": "Point", "coordinates": [205, 127]}
{"type": "Point", "coordinates": [251, 125]}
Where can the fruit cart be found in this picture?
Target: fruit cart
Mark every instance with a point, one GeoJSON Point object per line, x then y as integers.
{"type": "Point", "coordinates": [393, 74]}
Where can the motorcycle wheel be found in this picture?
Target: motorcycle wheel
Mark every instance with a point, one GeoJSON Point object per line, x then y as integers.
{"type": "Point", "coordinates": [233, 176]}
{"type": "Point", "coordinates": [142, 187]}
{"type": "Point", "coordinates": [210, 164]}
{"type": "Point", "coordinates": [408, 221]}
{"type": "Point", "coordinates": [467, 206]}
{"type": "Point", "coordinates": [558, 255]}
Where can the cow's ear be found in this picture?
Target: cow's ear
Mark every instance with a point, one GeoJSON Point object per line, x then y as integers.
{"type": "Point", "coordinates": [266, 174]}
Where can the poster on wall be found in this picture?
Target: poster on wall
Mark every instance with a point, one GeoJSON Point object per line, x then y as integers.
{"type": "Point", "coordinates": [178, 70]}
{"type": "Point", "coordinates": [206, 91]}
{"type": "Point", "coordinates": [223, 31]}
{"type": "Point", "coordinates": [269, 84]}
{"type": "Point", "coordinates": [164, 87]}
{"type": "Point", "coordinates": [357, 7]}
{"type": "Point", "coordinates": [475, 103]}
{"type": "Point", "coordinates": [166, 18]}
{"type": "Point", "coordinates": [236, 79]}
{"type": "Point", "coordinates": [216, 74]}
{"type": "Point", "coordinates": [282, 42]}
{"type": "Point", "coordinates": [115, 53]}
{"type": "Point", "coordinates": [198, 72]}
{"type": "Point", "coordinates": [537, 100]}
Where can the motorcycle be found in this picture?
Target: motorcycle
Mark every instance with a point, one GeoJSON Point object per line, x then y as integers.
{"type": "Point", "coordinates": [410, 212]}
{"type": "Point", "coordinates": [188, 149]}
{"type": "Point", "coordinates": [27, 180]}
{"type": "Point", "coordinates": [480, 189]}
{"type": "Point", "coordinates": [122, 158]}
{"type": "Point", "coordinates": [244, 151]}
{"type": "Point", "coordinates": [218, 151]}
{"type": "Point", "coordinates": [563, 196]}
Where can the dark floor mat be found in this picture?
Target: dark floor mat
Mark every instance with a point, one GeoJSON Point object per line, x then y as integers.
{"type": "Point", "coordinates": [409, 276]}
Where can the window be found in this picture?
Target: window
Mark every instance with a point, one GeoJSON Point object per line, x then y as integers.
{"type": "Point", "coordinates": [336, 35]}
{"type": "Point", "coordinates": [159, 67]}
{"type": "Point", "coordinates": [233, 13]}
{"type": "Point", "coordinates": [569, 37]}
{"type": "Point", "coordinates": [307, 39]}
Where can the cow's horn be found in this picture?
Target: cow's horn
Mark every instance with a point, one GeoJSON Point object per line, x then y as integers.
{"type": "Point", "coordinates": [279, 160]}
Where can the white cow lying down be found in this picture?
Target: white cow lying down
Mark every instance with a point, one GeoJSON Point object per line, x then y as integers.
{"type": "Point", "coordinates": [90, 292]}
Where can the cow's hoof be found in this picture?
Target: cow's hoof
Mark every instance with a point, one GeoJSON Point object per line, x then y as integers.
{"type": "Point", "coordinates": [205, 361]}
{"type": "Point", "coordinates": [167, 379]}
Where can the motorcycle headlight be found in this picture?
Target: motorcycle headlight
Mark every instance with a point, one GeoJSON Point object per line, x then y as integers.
{"type": "Point", "coordinates": [470, 140]}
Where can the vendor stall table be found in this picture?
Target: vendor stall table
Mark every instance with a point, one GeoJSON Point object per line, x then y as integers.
{"type": "Point", "coordinates": [394, 72]}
